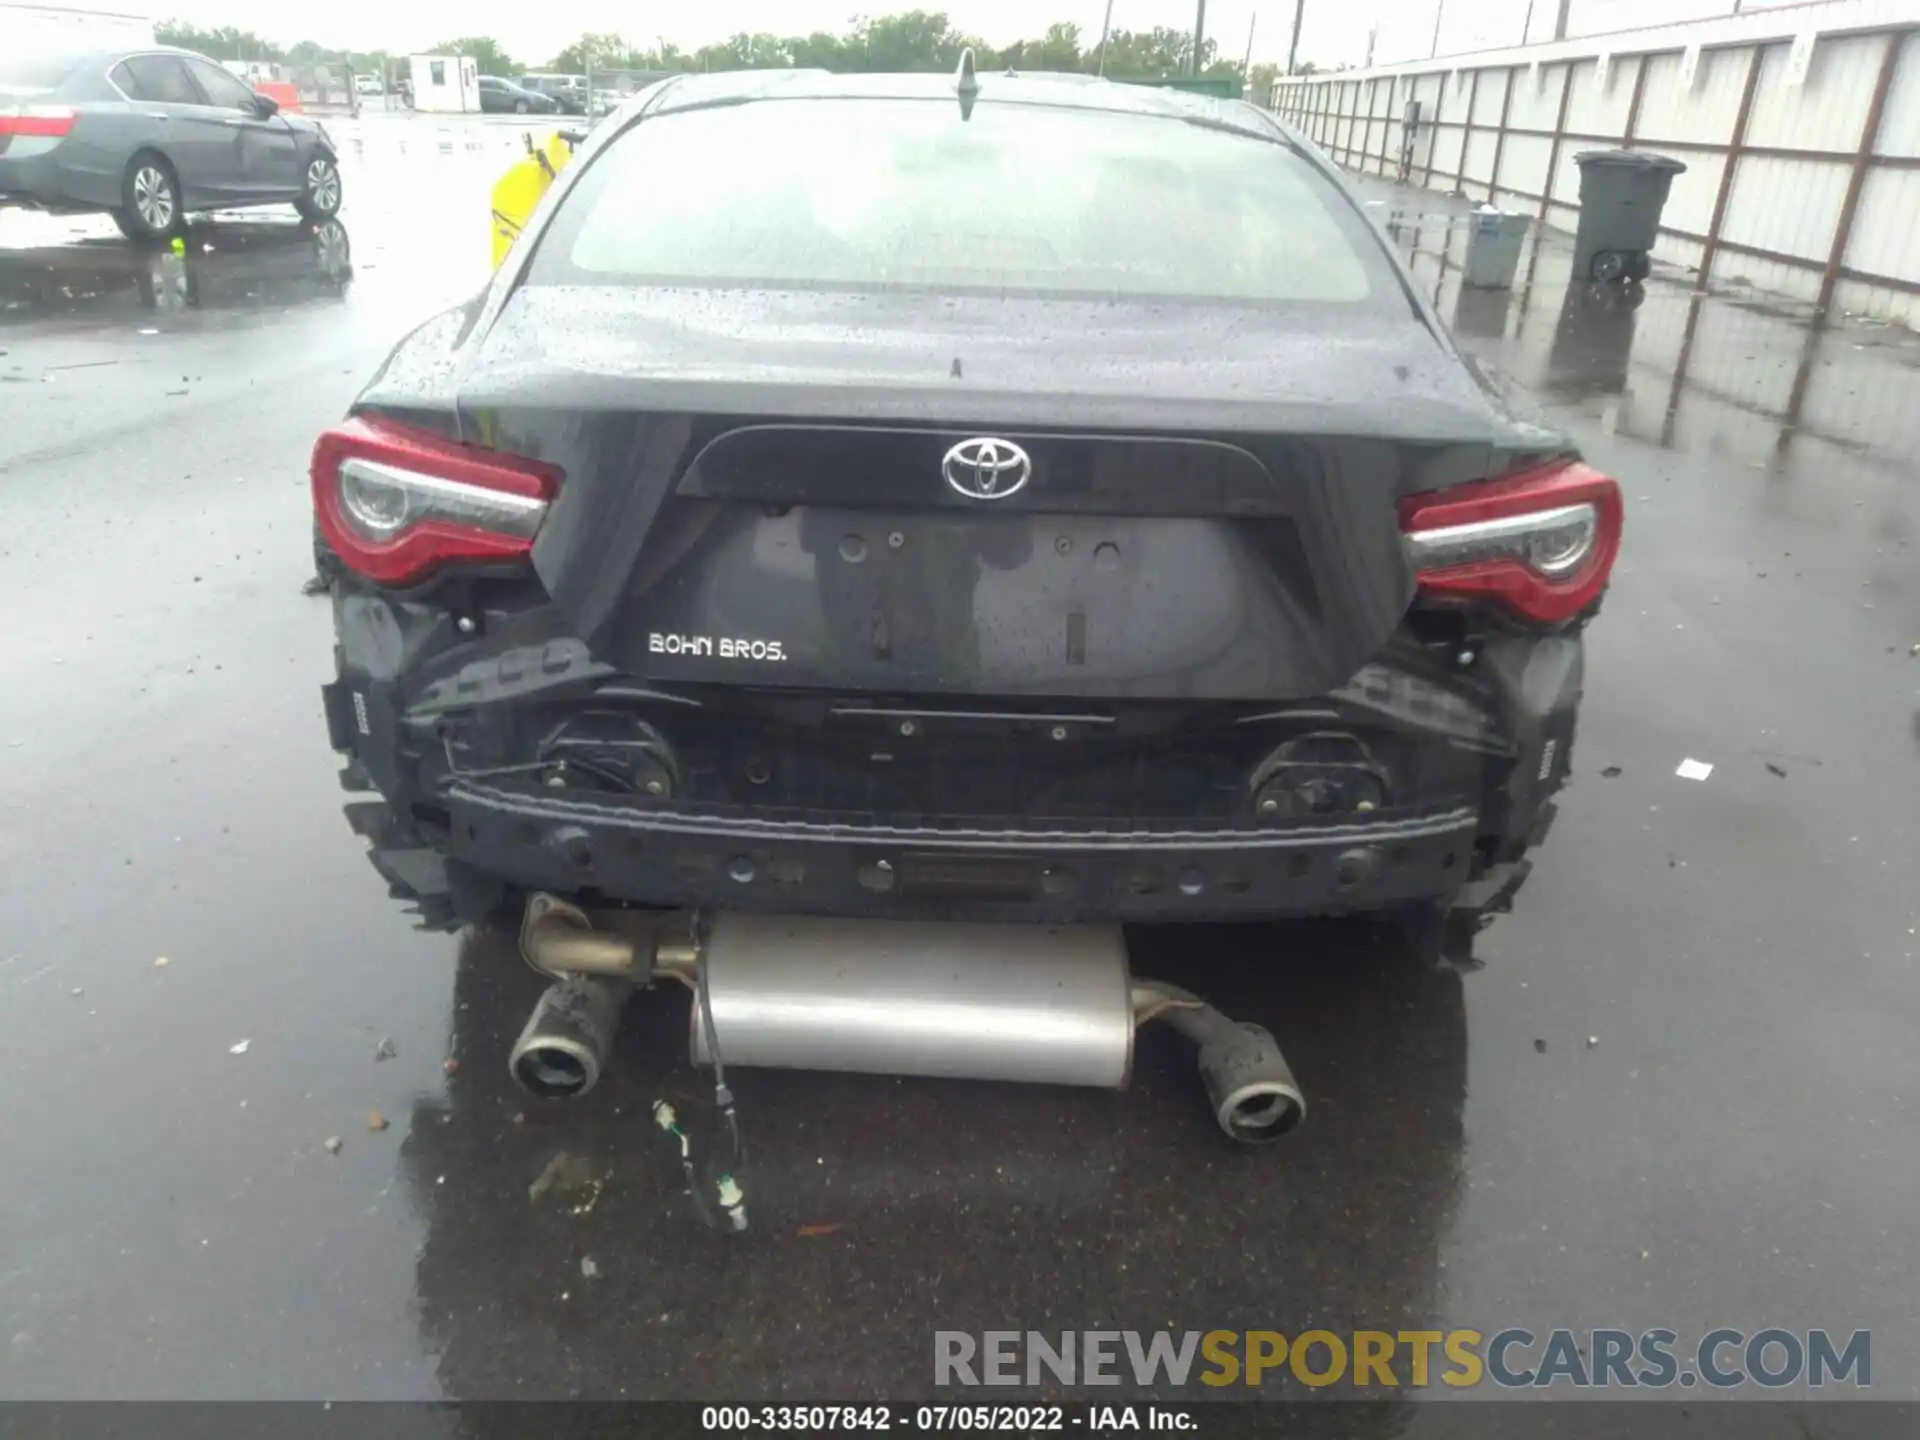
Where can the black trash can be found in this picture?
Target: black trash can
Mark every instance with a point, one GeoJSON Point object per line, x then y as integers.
{"type": "Point", "coordinates": [1621, 195]}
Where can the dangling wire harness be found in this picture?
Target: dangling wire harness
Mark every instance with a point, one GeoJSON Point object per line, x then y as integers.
{"type": "Point", "coordinates": [725, 1208]}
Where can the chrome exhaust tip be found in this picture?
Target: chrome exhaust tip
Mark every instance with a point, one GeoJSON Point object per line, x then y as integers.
{"type": "Point", "coordinates": [1254, 1095]}
{"type": "Point", "coordinates": [567, 1041]}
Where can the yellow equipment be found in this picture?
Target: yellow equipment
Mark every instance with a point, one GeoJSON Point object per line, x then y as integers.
{"type": "Point", "coordinates": [519, 190]}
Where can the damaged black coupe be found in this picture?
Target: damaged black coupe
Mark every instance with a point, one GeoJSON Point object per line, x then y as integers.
{"type": "Point", "coordinates": [871, 522]}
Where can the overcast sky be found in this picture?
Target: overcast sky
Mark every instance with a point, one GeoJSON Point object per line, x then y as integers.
{"type": "Point", "coordinates": [1335, 31]}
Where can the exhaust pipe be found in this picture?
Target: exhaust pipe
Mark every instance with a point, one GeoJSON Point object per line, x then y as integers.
{"type": "Point", "coordinates": [565, 1046]}
{"type": "Point", "coordinates": [1255, 1097]}
{"type": "Point", "coordinates": [564, 1049]}
{"type": "Point", "coordinates": [1049, 1005]}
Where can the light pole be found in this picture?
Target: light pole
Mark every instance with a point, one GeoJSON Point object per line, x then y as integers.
{"type": "Point", "coordinates": [1439, 9]}
{"type": "Point", "coordinates": [1199, 37]}
{"type": "Point", "coordinates": [1293, 45]}
{"type": "Point", "coordinates": [1106, 27]}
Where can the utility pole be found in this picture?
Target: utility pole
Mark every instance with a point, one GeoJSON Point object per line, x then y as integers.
{"type": "Point", "coordinates": [1199, 37]}
{"type": "Point", "coordinates": [1106, 27]}
{"type": "Point", "coordinates": [1560, 20]}
{"type": "Point", "coordinates": [1246, 65]}
{"type": "Point", "coordinates": [1293, 45]}
{"type": "Point", "coordinates": [1439, 9]}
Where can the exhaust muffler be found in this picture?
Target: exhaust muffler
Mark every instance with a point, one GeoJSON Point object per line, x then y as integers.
{"type": "Point", "coordinates": [1052, 1006]}
{"type": "Point", "coordinates": [1046, 1005]}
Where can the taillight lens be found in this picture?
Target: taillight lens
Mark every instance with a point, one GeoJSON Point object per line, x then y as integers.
{"type": "Point", "coordinates": [1541, 542]}
{"type": "Point", "coordinates": [395, 503]}
{"type": "Point", "coordinates": [37, 121]}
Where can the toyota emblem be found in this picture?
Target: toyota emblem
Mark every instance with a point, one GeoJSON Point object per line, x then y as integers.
{"type": "Point", "coordinates": [987, 469]}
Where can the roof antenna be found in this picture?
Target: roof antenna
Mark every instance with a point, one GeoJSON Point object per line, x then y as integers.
{"type": "Point", "coordinates": [966, 84]}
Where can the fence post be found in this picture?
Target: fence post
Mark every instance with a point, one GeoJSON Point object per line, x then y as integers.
{"type": "Point", "coordinates": [1633, 102]}
{"type": "Point", "coordinates": [1500, 135]}
{"type": "Point", "coordinates": [1842, 236]}
{"type": "Point", "coordinates": [1466, 135]}
{"type": "Point", "coordinates": [1553, 150]}
{"type": "Point", "coordinates": [1696, 302]}
{"type": "Point", "coordinates": [1736, 146]}
{"type": "Point", "coordinates": [1856, 181]}
{"type": "Point", "coordinates": [1387, 147]}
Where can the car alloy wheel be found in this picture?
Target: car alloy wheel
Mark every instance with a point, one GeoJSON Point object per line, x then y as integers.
{"type": "Point", "coordinates": [153, 198]}
{"type": "Point", "coordinates": [323, 185]}
{"type": "Point", "coordinates": [332, 252]}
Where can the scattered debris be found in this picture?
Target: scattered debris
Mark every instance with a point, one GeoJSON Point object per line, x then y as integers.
{"type": "Point", "coordinates": [334, 1142]}
{"type": "Point", "coordinates": [160, 962]}
{"type": "Point", "coordinates": [1694, 769]}
{"type": "Point", "coordinates": [376, 1121]}
{"type": "Point", "coordinates": [239, 1049]}
{"type": "Point", "coordinates": [808, 1232]}
{"type": "Point", "coordinates": [1592, 1040]}
{"type": "Point", "coordinates": [384, 1051]}
{"type": "Point", "coordinates": [1773, 769]}
{"type": "Point", "coordinates": [569, 1174]}
{"type": "Point", "coordinates": [1612, 772]}
{"type": "Point", "coordinates": [78, 990]}
{"type": "Point", "coordinates": [588, 1268]}
{"type": "Point", "coordinates": [1539, 1047]}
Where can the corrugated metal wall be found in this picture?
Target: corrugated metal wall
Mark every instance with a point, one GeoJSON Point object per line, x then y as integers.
{"type": "Point", "coordinates": [1804, 184]}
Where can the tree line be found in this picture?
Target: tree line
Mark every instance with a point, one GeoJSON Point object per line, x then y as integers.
{"type": "Point", "coordinates": [916, 40]}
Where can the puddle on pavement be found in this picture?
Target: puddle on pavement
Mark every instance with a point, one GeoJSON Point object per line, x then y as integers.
{"type": "Point", "coordinates": [213, 265]}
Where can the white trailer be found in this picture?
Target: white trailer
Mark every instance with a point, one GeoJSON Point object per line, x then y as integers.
{"type": "Point", "coordinates": [445, 84]}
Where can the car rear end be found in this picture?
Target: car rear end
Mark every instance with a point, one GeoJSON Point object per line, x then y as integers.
{"type": "Point", "coordinates": [1052, 510]}
{"type": "Point", "coordinates": [36, 121]}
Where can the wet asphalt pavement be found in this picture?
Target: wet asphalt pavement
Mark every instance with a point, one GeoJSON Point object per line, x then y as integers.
{"type": "Point", "coordinates": [1684, 1091]}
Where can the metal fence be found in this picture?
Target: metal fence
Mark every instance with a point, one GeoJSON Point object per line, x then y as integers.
{"type": "Point", "coordinates": [325, 85]}
{"type": "Point", "coordinates": [609, 89]}
{"type": "Point", "coordinates": [1803, 149]}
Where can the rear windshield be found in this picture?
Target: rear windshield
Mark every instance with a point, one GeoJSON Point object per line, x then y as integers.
{"type": "Point", "coordinates": [904, 194]}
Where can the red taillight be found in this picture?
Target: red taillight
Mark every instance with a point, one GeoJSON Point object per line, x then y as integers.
{"type": "Point", "coordinates": [395, 503]}
{"type": "Point", "coordinates": [38, 121]}
{"type": "Point", "coordinates": [1540, 542]}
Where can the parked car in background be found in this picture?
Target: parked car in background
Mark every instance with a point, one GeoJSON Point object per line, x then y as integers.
{"type": "Point", "coordinates": [369, 85]}
{"type": "Point", "coordinates": [569, 92]}
{"type": "Point", "coordinates": [503, 97]}
{"type": "Point", "coordinates": [149, 134]}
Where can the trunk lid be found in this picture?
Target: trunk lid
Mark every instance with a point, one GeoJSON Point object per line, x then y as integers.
{"type": "Point", "coordinates": [758, 488]}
